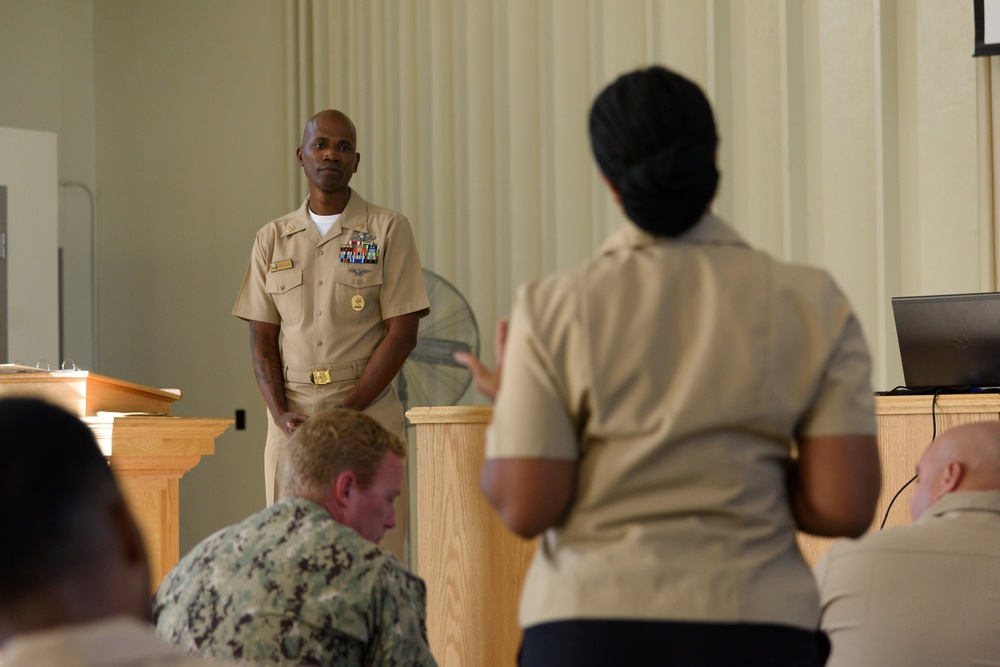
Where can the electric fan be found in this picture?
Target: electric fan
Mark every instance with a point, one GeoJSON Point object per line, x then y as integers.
{"type": "Point", "coordinates": [431, 376]}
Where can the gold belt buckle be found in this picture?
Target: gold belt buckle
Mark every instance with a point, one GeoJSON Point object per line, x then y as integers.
{"type": "Point", "coordinates": [320, 377]}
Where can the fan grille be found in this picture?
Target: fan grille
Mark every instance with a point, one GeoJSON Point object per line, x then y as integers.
{"type": "Point", "coordinates": [430, 375]}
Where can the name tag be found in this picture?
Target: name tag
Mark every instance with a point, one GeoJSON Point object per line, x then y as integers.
{"type": "Point", "coordinates": [282, 265]}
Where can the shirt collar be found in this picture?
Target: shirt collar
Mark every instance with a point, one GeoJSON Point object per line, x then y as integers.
{"type": "Point", "coordinates": [709, 230]}
{"type": "Point", "coordinates": [963, 501]}
{"type": "Point", "coordinates": [354, 213]}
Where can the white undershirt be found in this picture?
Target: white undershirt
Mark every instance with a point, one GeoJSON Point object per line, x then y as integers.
{"type": "Point", "coordinates": [323, 222]}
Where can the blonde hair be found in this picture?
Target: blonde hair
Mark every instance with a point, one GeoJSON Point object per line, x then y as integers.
{"type": "Point", "coordinates": [334, 441]}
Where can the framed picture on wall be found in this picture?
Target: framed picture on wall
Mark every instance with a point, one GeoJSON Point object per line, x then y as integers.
{"type": "Point", "coordinates": [987, 27]}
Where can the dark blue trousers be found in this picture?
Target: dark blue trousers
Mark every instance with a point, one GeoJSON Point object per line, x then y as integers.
{"type": "Point", "coordinates": [600, 643]}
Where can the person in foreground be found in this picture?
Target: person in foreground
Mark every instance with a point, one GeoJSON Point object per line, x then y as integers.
{"type": "Point", "coordinates": [303, 581]}
{"type": "Point", "coordinates": [925, 593]}
{"type": "Point", "coordinates": [74, 580]}
{"type": "Point", "coordinates": [648, 411]}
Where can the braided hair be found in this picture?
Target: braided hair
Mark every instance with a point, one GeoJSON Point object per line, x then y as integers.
{"type": "Point", "coordinates": [653, 136]}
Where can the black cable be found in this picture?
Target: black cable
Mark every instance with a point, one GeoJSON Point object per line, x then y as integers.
{"type": "Point", "coordinates": [933, 435]}
{"type": "Point", "coordinates": [894, 500]}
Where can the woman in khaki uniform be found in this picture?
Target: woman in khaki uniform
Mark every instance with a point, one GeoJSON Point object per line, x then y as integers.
{"type": "Point", "coordinates": [651, 404]}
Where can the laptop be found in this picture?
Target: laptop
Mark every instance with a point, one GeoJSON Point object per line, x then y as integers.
{"type": "Point", "coordinates": [949, 341]}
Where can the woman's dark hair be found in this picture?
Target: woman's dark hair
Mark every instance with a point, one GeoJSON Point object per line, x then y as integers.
{"type": "Point", "coordinates": [653, 136]}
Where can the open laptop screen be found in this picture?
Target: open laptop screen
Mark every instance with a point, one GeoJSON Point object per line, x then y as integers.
{"type": "Point", "coordinates": [949, 340]}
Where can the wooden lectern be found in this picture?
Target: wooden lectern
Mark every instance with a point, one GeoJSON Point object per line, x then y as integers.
{"type": "Point", "coordinates": [474, 567]}
{"type": "Point", "coordinates": [472, 564]}
{"type": "Point", "coordinates": [149, 450]}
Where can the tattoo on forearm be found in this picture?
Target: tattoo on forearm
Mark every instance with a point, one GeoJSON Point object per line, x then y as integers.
{"type": "Point", "coordinates": [266, 364]}
{"type": "Point", "coordinates": [268, 369]}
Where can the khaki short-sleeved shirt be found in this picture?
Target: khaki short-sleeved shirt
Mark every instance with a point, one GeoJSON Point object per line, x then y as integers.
{"type": "Point", "coordinates": [678, 372]}
{"type": "Point", "coordinates": [110, 642]}
{"type": "Point", "coordinates": [331, 310]}
{"type": "Point", "coordinates": [926, 594]}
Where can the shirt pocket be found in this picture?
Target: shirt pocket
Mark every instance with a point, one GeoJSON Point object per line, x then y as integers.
{"type": "Point", "coordinates": [285, 288]}
{"type": "Point", "coordinates": [356, 297]}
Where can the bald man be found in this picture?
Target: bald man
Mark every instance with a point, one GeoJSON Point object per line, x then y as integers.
{"type": "Point", "coordinates": [333, 294]}
{"type": "Point", "coordinates": [927, 593]}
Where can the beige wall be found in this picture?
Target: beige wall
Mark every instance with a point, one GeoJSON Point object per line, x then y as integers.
{"type": "Point", "coordinates": [46, 79]}
{"type": "Point", "coordinates": [848, 141]}
{"type": "Point", "coordinates": [172, 114]}
{"type": "Point", "coordinates": [191, 161]}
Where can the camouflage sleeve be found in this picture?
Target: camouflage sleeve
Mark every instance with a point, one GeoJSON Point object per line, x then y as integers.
{"type": "Point", "coordinates": [400, 614]}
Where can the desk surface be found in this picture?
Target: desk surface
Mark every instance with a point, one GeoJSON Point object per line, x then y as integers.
{"type": "Point", "coordinates": [916, 404]}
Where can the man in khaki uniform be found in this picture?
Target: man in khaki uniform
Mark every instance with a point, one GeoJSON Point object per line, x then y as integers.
{"type": "Point", "coordinates": [333, 293]}
{"type": "Point", "coordinates": [926, 593]}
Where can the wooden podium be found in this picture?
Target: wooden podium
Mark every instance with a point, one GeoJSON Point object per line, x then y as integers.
{"type": "Point", "coordinates": [472, 564]}
{"type": "Point", "coordinates": [474, 567]}
{"type": "Point", "coordinates": [149, 450]}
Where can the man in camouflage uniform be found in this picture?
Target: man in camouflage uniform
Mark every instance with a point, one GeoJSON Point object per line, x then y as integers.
{"type": "Point", "coordinates": [303, 581]}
